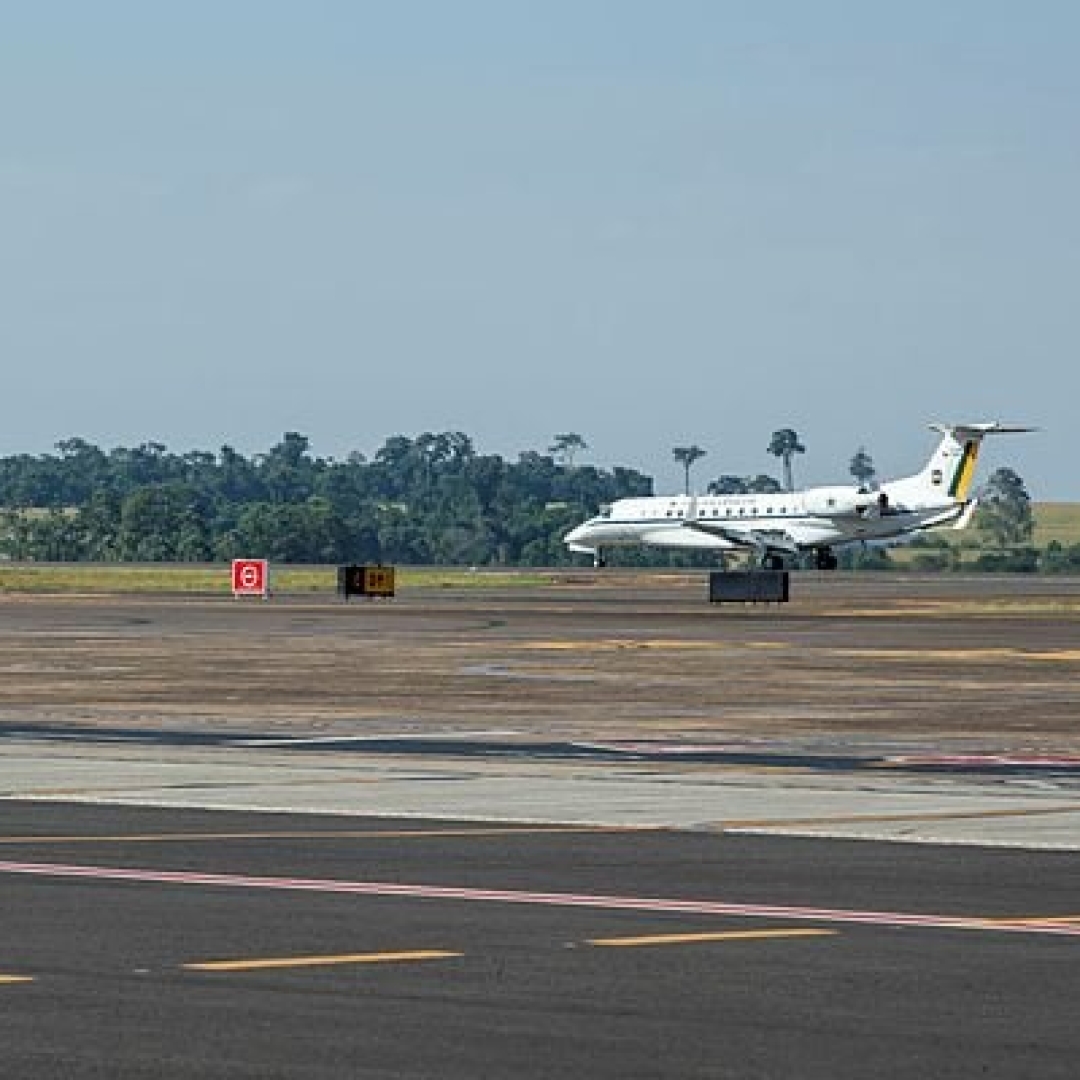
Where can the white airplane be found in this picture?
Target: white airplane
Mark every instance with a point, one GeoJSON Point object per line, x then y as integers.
{"type": "Point", "coordinates": [819, 519]}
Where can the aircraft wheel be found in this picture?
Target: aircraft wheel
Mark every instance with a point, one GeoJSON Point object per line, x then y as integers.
{"type": "Point", "coordinates": [825, 559]}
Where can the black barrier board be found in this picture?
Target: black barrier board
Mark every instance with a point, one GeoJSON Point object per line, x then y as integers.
{"type": "Point", "coordinates": [749, 586]}
{"type": "Point", "coordinates": [365, 581]}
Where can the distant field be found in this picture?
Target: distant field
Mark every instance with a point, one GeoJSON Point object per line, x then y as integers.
{"type": "Point", "coordinates": [1053, 521]}
{"type": "Point", "coordinates": [1057, 521]}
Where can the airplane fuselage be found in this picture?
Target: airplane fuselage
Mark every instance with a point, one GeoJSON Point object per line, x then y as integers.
{"type": "Point", "coordinates": [782, 522]}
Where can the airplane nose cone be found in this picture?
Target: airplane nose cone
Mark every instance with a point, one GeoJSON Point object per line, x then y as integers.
{"type": "Point", "coordinates": [577, 540]}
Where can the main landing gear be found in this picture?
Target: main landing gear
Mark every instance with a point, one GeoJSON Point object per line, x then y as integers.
{"type": "Point", "coordinates": [824, 559]}
{"type": "Point", "coordinates": [598, 560]}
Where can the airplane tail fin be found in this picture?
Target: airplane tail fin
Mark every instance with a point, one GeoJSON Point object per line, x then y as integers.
{"type": "Point", "coordinates": [951, 468]}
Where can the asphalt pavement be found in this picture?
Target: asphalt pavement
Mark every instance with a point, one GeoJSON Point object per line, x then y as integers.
{"type": "Point", "coordinates": [144, 942]}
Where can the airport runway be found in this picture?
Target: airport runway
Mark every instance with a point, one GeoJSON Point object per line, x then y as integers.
{"type": "Point", "coordinates": [143, 942]}
{"type": "Point", "coordinates": [594, 829]}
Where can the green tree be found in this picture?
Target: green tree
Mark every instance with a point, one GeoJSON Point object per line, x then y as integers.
{"type": "Point", "coordinates": [686, 456]}
{"type": "Point", "coordinates": [1005, 509]}
{"type": "Point", "coordinates": [82, 470]}
{"type": "Point", "coordinates": [762, 484]}
{"type": "Point", "coordinates": [785, 445]}
{"type": "Point", "coordinates": [428, 499]}
{"type": "Point", "coordinates": [1059, 559]}
{"type": "Point", "coordinates": [727, 485]}
{"type": "Point", "coordinates": [744, 485]}
{"type": "Point", "coordinates": [287, 470]}
{"type": "Point", "coordinates": [566, 446]}
{"type": "Point", "coordinates": [862, 468]}
{"type": "Point", "coordinates": [155, 519]}
{"type": "Point", "coordinates": [99, 524]}
{"type": "Point", "coordinates": [236, 480]}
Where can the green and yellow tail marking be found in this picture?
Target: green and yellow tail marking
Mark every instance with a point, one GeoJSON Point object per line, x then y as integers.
{"type": "Point", "coordinates": [965, 471]}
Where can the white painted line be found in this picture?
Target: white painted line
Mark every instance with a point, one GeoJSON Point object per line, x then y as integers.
{"type": "Point", "coordinates": [318, 740]}
{"type": "Point", "coordinates": [1032, 925]}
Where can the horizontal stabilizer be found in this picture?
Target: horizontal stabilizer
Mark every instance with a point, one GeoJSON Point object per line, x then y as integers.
{"type": "Point", "coordinates": [994, 427]}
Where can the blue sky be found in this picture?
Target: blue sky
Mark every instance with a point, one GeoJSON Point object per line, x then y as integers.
{"type": "Point", "coordinates": [650, 223]}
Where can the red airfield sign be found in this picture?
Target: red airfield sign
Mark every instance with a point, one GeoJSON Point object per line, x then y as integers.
{"type": "Point", "coordinates": [250, 577]}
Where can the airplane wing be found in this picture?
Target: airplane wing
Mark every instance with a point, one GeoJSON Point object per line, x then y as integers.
{"type": "Point", "coordinates": [743, 535]}
{"type": "Point", "coordinates": [753, 538]}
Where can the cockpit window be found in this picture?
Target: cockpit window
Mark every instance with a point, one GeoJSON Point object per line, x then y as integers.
{"type": "Point", "coordinates": [605, 511]}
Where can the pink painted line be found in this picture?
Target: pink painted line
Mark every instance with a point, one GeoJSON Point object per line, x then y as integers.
{"type": "Point", "coordinates": [552, 899]}
{"type": "Point", "coordinates": [1058, 761]}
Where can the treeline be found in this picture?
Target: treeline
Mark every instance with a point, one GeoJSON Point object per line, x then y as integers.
{"type": "Point", "coordinates": [432, 499]}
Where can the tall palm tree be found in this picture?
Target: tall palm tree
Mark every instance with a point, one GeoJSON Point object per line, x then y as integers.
{"type": "Point", "coordinates": [566, 446]}
{"type": "Point", "coordinates": [687, 455]}
{"type": "Point", "coordinates": [785, 445]}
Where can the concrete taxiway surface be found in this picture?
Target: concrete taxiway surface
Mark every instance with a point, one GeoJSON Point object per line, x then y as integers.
{"type": "Point", "coordinates": [1019, 811]}
{"type": "Point", "coordinates": [178, 944]}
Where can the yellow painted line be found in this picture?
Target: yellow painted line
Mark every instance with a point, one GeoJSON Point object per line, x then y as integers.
{"type": "Point", "coordinates": [692, 939]}
{"type": "Point", "coordinates": [277, 962]}
{"type": "Point", "coordinates": [341, 834]}
{"type": "Point", "coordinates": [6, 980]}
{"type": "Point", "coordinates": [950, 655]}
{"type": "Point", "coordinates": [932, 610]}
